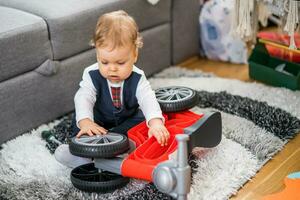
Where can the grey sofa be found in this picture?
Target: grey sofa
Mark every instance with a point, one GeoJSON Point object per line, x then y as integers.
{"type": "Point", "coordinates": [44, 49]}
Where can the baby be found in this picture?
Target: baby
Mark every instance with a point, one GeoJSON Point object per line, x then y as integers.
{"type": "Point", "coordinates": [114, 94]}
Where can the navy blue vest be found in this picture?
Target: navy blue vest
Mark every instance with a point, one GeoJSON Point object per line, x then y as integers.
{"type": "Point", "coordinates": [105, 113]}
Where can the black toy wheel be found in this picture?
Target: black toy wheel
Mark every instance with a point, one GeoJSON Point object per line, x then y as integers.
{"type": "Point", "coordinates": [176, 98]}
{"type": "Point", "coordinates": [88, 178]}
{"type": "Point", "coordinates": [99, 146]}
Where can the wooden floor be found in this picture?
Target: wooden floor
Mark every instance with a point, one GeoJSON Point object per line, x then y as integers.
{"type": "Point", "coordinates": [270, 178]}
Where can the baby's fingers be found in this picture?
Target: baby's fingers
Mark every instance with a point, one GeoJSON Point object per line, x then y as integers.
{"type": "Point", "coordinates": [95, 130]}
{"type": "Point", "coordinates": [162, 138]}
{"type": "Point", "coordinates": [167, 136]}
{"type": "Point", "coordinates": [150, 134]}
{"type": "Point", "coordinates": [102, 130]}
{"type": "Point", "coordinates": [80, 133]}
{"type": "Point", "coordinates": [158, 137]}
{"type": "Point", "coordinates": [167, 133]}
{"type": "Point", "coordinates": [90, 133]}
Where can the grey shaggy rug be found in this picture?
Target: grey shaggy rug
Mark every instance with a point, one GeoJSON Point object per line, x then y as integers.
{"type": "Point", "coordinates": [257, 122]}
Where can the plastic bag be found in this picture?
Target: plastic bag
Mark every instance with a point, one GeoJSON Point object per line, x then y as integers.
{"type": "Point", "coordinates": [216, 40]}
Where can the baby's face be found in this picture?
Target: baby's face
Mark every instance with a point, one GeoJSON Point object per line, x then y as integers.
{"type": "Point", "coordinates": [116, 64]}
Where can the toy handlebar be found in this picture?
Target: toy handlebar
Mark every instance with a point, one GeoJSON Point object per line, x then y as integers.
{"type": "Point", "coordinates": [174, 176]}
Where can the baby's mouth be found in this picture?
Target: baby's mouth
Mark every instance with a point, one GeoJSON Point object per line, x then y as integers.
{"type": "Point", "coordinates": [113, 77]}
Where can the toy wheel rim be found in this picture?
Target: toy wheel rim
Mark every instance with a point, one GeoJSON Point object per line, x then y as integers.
{"type": "Point", "coordinates": [97, 140]}
{"type": "Point", "coordinates": [90, 179]}
{"type": "Point", "coordinates": [92, 174]}
{"type": "Point", "coordinates": [173, 94]}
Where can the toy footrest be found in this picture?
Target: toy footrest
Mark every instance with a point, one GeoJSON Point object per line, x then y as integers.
{"type": "Point", "coordinates": [135, 169]}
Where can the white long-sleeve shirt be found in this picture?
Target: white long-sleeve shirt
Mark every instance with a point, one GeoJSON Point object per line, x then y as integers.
{"type": "Point", "coordinates": [85, 97]}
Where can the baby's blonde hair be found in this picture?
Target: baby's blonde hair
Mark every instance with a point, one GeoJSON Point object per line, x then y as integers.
{"type": "Point", "coordinates": [116, 28]}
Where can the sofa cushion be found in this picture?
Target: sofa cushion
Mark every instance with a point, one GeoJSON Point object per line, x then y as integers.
{"type": "Point", "coordinates": [156, 52]}
{"type": "Point", "coordinates": [185, 30]}
{"type": "Point", "coordinates": [24, 43]}
{"type": "Point", "coordinates": [71, 22]}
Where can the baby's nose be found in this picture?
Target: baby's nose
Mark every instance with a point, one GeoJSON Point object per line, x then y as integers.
{"type": "Point", "coordinates": [113, 68]}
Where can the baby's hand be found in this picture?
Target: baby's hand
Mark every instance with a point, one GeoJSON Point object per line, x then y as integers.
{"type": "Point", "coordinates": [90, 128]}
{"type": "Point", "coordinates": [160, 132]}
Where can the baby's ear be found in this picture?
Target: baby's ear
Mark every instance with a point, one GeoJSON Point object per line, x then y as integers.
{"type": "Point", "coordinates": [97, 54]}
{"type": "Point", "coordinates": [136, 55]}
{"type": "Point", "coordinates": [92, 43]}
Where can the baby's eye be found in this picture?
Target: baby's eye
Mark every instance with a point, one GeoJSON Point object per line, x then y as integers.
{"type": "Point", "coordinates": [104, 63]}
{"type": "Point", "coordinates": [121, 63]}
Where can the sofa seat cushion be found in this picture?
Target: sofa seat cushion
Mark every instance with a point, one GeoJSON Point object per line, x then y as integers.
{"type": "Point", "coordinates": [72, 22]}
{"type": "Point", "coordinates": [24, 43]}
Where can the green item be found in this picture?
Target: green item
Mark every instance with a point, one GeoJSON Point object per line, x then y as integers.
{"type": "Point", "coordinates": [272, 70]}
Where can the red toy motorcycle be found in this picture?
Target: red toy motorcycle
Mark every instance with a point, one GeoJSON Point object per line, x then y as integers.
{"type": "Point", "coordinates": [146, 159]}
